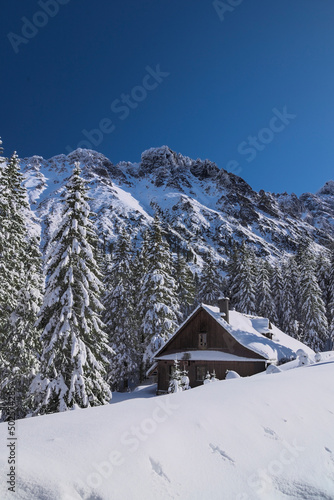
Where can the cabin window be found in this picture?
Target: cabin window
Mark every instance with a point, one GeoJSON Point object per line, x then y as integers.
{"type": "Point", "coordinates": [200, 372]}
{"type": "Point", "coordinates": [202, 340]}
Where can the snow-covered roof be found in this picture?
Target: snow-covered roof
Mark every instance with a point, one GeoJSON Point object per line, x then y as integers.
{"type": "Point", "coordinates": [206, 356]}
{"type": "Point", "coordinates": [249, 331]}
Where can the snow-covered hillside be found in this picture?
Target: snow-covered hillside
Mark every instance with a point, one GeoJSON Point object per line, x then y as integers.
{"type": "Point", "coordinates": [201, 205]}
{"type": "Point", "coordinates": [263, 437]}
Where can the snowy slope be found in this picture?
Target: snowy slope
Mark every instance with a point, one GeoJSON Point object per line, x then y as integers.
{"type": "Point", "coordinates": [262, 437]}
{"type": "Point", "coordinates": [201, 205]}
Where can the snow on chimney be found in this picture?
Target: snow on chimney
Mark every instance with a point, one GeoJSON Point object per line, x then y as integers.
{"type": "Point", "coordinates": [223, 304]}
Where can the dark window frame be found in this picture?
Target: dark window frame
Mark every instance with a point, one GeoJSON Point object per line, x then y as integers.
{"type": "Point", "coordinates": [201, 377]}
{"type": "Point", "coordinates": [203, 340]}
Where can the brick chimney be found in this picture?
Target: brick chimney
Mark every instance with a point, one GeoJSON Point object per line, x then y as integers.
{"type": "Point", "coordinates": [223, 304]}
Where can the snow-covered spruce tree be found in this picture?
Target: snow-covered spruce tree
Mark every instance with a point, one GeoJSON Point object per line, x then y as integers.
{"type": "Point", "coordinates": [158, 303]}
{"type": "Point", "coordinates": [330, 308]}
{"type": "Point", "coordinates": [75, 347]}
{"type": "Point", "coordinates": [13, 233]}
{"type": "Point", "coordinates": [119, 316]}
{"type": "Point", "coordinates": [276, 285]}
{"type": "Point", "coordinates": [21, 284]}
{"type": "Point", "coordinates": [265, 302]}
{"type": "Point", "coordinates": [139, 271]}
{"type": "Point", "coordinates": [185, 381]}
{"type": "Point", "coordinates": [211, 282]}
{"type": "Point", "coordinates": [312, 309]}
{"type": "Point", "coordinates": [175, 383]}
{"type": "Point", "coordinates": [3, 212]}
{"type": "Point", "coordinates": [290, 313]}
{"type": "Point", "coordinates": [186, 288]}
{"type": "Point", "coordinates": [23, 357]}
{"type": "Point", "coordinates": [322, 272]}
{"type": "Point", "coordinates": [232, 269]}
{"type": "Point", "coordinates": [243, 284]}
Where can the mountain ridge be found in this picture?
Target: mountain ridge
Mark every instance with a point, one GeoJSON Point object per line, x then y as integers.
{"type": "Point", "coordinates": [202, 206]}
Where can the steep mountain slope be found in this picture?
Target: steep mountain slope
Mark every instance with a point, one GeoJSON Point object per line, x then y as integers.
{"type": "Point", "coordinates": [201, 205]}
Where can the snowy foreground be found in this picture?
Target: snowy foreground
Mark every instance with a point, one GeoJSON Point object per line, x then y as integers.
{"type": "Point", "coordinates": [262, 437]}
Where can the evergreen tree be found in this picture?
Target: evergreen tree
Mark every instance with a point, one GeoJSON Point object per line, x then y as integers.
{"type": "Point", "coordinates": [322, 272]}
{"type": "Point", "coordinates": [186, 288]}
{"type": "Point", "coordinates": [139, 271]}
{"type": "Point", "coordinates": [3, 305]}
{"type": "Point", "coordinates": [75, 349]}
{"type": "Point", "coordinates": [179, 380]}
{"type": "Point", "coordinates": [232, 270]}
{"type": "Point", "coordinates": [13, 233]}
{"type": "Point", "coordinates": [312, 309]}
{"type": "Point", "coordinates": [158, 300]}
{"type": "Point", "coordinates": [290, 314]}
{"type": "Point", "coordinates": [211, 282]}
{"type": "Point", "coordinates": [243, 283]}
{"type": "Point", "coordinates": [265, 302]}
{"type": "Point", "coordinates": [330, 308]}
{"type": "Point", "coordinates": [23, 356]}
{"type": "Point", "coordinates": [276, 285]}
{"type": "Point", "coordinates": [185, 381]}
{"type": "Point", "coordinates": [175, 383]}
{"type": "Point", "coordinates": [21, 290]}
{"type": "Point", "coordinates": [119, 317]}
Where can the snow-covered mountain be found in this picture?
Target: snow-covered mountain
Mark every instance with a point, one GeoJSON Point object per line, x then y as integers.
{"type": "Point", "coordinates": [201, 205]}
{"type": "Point", "coordinates": [267, 437]}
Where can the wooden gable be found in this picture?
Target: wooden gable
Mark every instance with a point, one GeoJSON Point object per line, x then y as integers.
{"type": "Point", "coordinates": [202, 332]}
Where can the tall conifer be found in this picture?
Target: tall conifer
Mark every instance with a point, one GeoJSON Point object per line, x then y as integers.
{"type": "Point", "coordinates": [75, 348]}
{"type": "Point", "coordinates": [21, 287]}
{"type": "Point", "coordinates": [158, 300]}
{"type": "Point", "coordinates": [211, 282]}
{"type": "Point", "coordinates": [312, 309]}
{"type": "Point", "coordinates": [119, 317]}
{"type": "Point", "coordinates": [243, 284]}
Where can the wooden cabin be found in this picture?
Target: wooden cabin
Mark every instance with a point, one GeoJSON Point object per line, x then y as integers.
{"type": "Point", "coordinates": [216, 340]}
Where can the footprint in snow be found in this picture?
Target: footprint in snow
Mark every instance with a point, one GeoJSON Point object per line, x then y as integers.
{"type": "Point", "coordinates": [329, 463]}
{"type": "Point", "coordinates": [158, 469]}
{"type": "Point", "coordinates": [330, 454]}
{"type": "Point", "coordinates": [270, 433]}
{"type": "Point", "coordinates": [223, 454]}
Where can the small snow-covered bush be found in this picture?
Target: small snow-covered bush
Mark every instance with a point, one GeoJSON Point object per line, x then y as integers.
{"type": "Point", "coordinates": [303, 358]}
{"type": "Point", "coordinates": [273, 369]}
{"type": "Point", "coordinates": [179, 379]}
{"type": "Point", "coordinates": [317, 357]}
{"type": "Point", "coordinates": [207, 379]}
{"type": "Point", "coordinates": [185, 381]}
{"type": "Point", "coordinates": [231, 374]}
{"type": "Point", "coordinates": [210, 378]}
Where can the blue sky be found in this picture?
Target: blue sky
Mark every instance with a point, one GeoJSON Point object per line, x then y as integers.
{"type": "Point", "coordinates": [246, 83]}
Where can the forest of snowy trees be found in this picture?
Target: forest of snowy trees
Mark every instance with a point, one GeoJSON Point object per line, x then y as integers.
{"type": "Point", "coordinates": [79, 319]}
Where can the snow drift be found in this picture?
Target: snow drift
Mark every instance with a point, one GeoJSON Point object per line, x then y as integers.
{"type": "Point", "coordinates": [261, 437]}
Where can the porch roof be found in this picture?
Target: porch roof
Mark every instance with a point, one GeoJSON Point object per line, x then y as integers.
{"type": "Point", "coordinates": [206, 355]}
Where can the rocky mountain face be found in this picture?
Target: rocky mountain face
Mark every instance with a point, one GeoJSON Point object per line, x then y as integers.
{"type": "Point", "coordinates": [201, 206]}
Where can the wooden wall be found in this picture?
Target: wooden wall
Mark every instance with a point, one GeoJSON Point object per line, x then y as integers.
{"type": "Point", "coordinates": [243, 368]}
{"type": "Point", "coordinates": [217, 337]}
